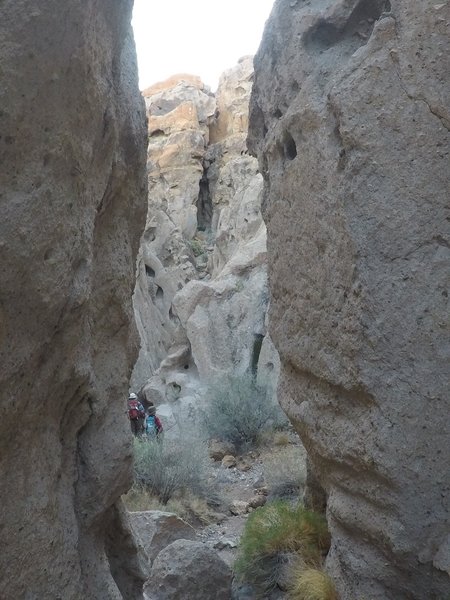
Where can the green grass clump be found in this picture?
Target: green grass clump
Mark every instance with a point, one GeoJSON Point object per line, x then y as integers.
{"type": "Point", "coordinates": [276, 529]}
{"type": "Point", "coordinates": [311, 584]}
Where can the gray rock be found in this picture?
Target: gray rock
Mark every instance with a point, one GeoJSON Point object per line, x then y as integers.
{"type": "Point", "coordinates": [73, 188]}
{"type": "Point", "coordinates": [218, 449]}
{"type": "Point", "coordinates": [225, 545]}
{"type": "Point", "coordinates": [187, 569]}
{"type": "Point", "coordinates": [228, 461]}
{"type": "Point", "coordinates": [350, 121]}
{"type": "Point", "coordinates": [157, 529]}
{"type": "Point", "coordinates": [239, 507]}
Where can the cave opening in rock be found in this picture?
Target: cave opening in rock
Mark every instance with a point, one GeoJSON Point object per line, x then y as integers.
{"type": "Point", "coordinates": [257, 345]}
{"type": "Point", "coordinates": [204, 204]}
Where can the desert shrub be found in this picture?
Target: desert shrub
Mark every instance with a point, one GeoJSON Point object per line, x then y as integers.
{"type": "Point", "coordinates": [238, 410]}
{"type": "Point", "coordinates": [276, 529]}
{"type": "Point", "coordinates": [197, 247]}
{"type": "Point", "coordinates": [285, 470]}
{"type": "Point", "coordinates": [311, 584]}
{"type": "Point", "coordinates": [172, 467]}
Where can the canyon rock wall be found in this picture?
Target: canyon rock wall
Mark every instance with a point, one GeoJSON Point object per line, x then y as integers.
{"type": "Point", "coordinates": [73, 189]}
{"type": "Point", "coordinates": [349, 118]}
{"type": "Point", "coordinates": [201, 294]}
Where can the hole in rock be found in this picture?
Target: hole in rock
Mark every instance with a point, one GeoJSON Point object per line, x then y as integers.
{"type": "Point", "coordinates": [157, 133]}
{"type": "Point", "coordinates": [353, 33]}
{"type": "Point", "coordinates": [149, 271]}
{"type": "Point", "coordinates": [289, 146]}
{"type": "Point", "coordinates": [257, 344]}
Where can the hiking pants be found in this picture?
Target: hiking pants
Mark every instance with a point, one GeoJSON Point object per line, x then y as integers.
{"type": "Point", "coordinates": [135, 426]}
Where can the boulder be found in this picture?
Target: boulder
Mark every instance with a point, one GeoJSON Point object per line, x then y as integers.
{"type": "Point", "coordinates": [239, 507]}
{"type": "Point", "coordinates": [350, 121]}
{"type": "Point", "coordinates": [218, 449]}
{"type": "Point", "coordinates": [157, 529]}
{"type": "Point", "coordinates": [187, 569]}
{"type": "Point", "coordinates": [228, 461]}
{"type": "Point", "coordinates": [257, 501]}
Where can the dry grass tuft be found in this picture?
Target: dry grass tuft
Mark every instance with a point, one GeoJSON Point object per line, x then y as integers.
{"type": "Point", "coordinates": [281, 438]}
{"type": "Point", "coordinates": [189, 507]}
{"type": "Point", "coordinates": [285, 470]}
{"type": "Point", "coordinates": [311, 584]}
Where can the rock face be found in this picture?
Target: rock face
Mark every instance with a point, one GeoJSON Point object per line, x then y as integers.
{"type": "Point", "coordinates": [201, 294]}
{"type": "Point", "coordinates": [188, 569]}
{"type": "Point", "coordinates": [350, 124]}
{"type": "Point", "coordinates": [73, 185]}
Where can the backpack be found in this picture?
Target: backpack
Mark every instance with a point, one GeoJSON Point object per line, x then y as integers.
{"type": "Point", "coordinates": [150, 426]}
{"type": "Point", "coordinates": [133, 410]}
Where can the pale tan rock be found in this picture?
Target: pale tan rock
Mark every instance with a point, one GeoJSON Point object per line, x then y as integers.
{"type": "Point", "coordinates": [233, 96]}
{"type": "Point", "coordinates": [239, 507]}
{"type": "Point", "coordinates": [350, 120]}
{"type": "Point", "coordinates": [218, 449]}
{"type": "Point", "coordinates": [73, 194]}
{"type": "Point", "coordinates": [229, 461]}
{"type": "Point", "coordinates": [171, 82]}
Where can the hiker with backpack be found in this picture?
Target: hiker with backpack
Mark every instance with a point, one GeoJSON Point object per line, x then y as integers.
{"type": "Point", "coordinates": [153, 425]}
{"type": "Point", "coordinates": [136, 414]}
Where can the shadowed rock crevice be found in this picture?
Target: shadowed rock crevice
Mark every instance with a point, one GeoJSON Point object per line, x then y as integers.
{"type": "Point", "coordinates": [204, 203]}
{"type": "Point", "coordinates": [350, 30]}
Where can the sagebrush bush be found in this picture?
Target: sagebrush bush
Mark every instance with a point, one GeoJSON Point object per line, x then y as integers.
{"type": "Point", "coordinates": [238, 410]}
{"type": "Point", "coordinates": [172, 466]}
{"type": "Point", "coordinates": [311, 584]}
{"type": "Point", "coordinates": [274, 530]}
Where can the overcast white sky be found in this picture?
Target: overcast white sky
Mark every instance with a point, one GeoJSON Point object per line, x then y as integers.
{"type": "Point", "coordinates": [202, 37]}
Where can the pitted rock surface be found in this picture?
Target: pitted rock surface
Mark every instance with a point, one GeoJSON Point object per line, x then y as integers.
{"type": "Point", "coordinates": [73, 191]}
{"type": "Point", "coordinates": [350, 121]}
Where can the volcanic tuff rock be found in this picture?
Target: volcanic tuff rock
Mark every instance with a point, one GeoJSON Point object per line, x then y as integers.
{"type": "Point", "coordinates": [72, 150]}
{"type": "Point", "coordinates": [188, 569]}
{"type": "Point", "coordinates": [201, 294]}
{"type": "Point", "coordinates": [157, 529]}
{"type": "Point", "coordinates": [349, 118]}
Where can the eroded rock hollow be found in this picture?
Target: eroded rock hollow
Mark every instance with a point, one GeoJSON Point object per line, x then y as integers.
{"type": "Point", "coordinates": [73, 189]}
{"type": "Point", "coordinates": [350, 122]}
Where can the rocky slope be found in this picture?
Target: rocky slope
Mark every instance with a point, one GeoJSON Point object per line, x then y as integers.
{"type": "Point", "coordinates": [72, 182]}
{"type": "Point", "coordinates": [201, 293]}
{"type": "Point", "coordinates": [350, 122]}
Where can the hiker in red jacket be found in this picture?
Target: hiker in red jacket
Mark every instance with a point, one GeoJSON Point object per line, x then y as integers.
{"type": "Point", "coordinates": [136, 414]}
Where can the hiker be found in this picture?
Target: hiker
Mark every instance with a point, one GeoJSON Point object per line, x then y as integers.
{"type": "Point", "coordinates": [136, 414]}
{"type": "Point", "coordinates": [153, 425]}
